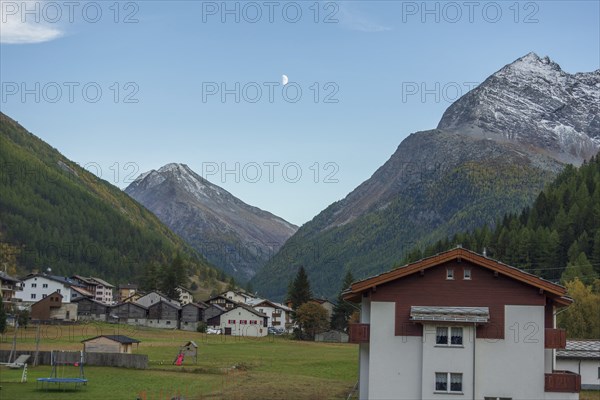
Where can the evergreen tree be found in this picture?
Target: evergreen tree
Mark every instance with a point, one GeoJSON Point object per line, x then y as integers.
{"type": "Point", "coordinates": [581, 269]}
{"type": "Point", "coordinates": [231, 284]}
{"type": "Point", "coordinates": [342, 310]}
{"type": "Point", "coordinates": [560, 230]}
{"type": "Point", "coordinates": [299, 289]}
{"type": "Point", "coordinates": [173, 276]}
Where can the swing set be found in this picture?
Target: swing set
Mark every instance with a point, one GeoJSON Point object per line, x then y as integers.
{"type": "Point", "coordinates": [59, 361]}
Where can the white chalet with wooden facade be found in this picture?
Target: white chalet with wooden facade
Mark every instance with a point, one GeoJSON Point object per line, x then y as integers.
{"type": "Point", "coordinates": [459, 325]}
{"type": "Point", "coordinates": [242, 320]}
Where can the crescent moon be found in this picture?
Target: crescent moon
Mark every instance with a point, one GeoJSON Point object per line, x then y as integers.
{"type": "Point", "coordinates": [284, 80]}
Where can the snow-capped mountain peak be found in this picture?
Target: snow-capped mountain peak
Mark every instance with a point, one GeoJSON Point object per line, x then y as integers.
{"type": "Point", "coordinates": [532, 101]}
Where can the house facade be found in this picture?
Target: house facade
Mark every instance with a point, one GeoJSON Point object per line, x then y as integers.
{"type": "Point", "coordinates": [103, 291]}
{"type": "Point", "coordinates": [78, 292]}
{"type": "Point", "coordinates": [236, 296]}
{"type": "Point", "coordinates": [241, 321]}
{"type": "Point", "coordinates": [460, 325]}
{"type": "Point", "coordinates": [51, 307]}
{"type": "Point", "coordinates": [326, 304]}
{"type": "Point", "coordinates": [185, 296]}
{"type": "Point", "coordinates": [279, 315]}
{"type": "Point", "coordinates": [35, 287]}
{"type": "Point", "coordinates": [223, 301]}
{"type": "Point", "coordinates": [583, 357]}
{"type": "Point", "coordinates": [8, 287]}
{"type": "Point", "coordinates": [126, 290]}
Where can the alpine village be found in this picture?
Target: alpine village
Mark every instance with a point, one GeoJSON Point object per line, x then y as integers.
{"type": "Point", "coordinates": [466, 266]}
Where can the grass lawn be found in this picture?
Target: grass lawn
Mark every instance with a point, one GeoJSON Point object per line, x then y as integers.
{"type": "Point", "coordinates": [589, 395]}
{"type": "Point", "coordinates": [228, 367]}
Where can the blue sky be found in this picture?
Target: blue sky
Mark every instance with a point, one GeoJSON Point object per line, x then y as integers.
{"type": "Point", "coordinates": [125, 87]}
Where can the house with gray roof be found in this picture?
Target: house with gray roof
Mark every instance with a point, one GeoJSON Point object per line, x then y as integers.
{"type": "Point", "coordinates": [583, 357]}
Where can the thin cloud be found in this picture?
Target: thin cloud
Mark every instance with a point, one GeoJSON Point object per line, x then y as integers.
{"type": "Point", "coordinates": [15, 31]}
{"type": "Point", "coordinates": [357, 20]}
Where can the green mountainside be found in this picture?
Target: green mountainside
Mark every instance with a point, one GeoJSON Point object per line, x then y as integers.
{"type": "Point", "coordinates": [435, 185]}
{"type": "Point", "coordinates": [493, 151]}
{"type": "Point", "coordinates": [561, 228]}
{"type": "Point", "coordinates": [63, 217]}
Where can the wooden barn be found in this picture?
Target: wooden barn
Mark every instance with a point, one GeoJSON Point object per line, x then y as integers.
{"type": "Point", "coordinates": [128, 313]}
{"type": "Point", "coordinates": [91, 310]}
{"type": "Point", "coordinates": [191, 314]}
{"type": "Point", "coordinates": [163, 315]}
{"type": "Point", "coordinates": [51, 307]}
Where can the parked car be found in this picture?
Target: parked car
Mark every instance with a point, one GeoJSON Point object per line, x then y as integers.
{"type": "Point", "coordinates": [213, 331]}
{"type": "Point", "coordinates": [275, 330]}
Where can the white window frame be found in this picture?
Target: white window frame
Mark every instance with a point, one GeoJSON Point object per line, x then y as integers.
{"type": "Point", "coordinates": [467, 274]}
{"type": "Point", "coordinates": [449, 336]}
{"type": "Point", "coordinates": [450, 274]}
{"type": "Point", "coordinates": [448, 382]}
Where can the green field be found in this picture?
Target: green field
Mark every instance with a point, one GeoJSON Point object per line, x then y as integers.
{"type": "Point", "coordinates": [227, 368]}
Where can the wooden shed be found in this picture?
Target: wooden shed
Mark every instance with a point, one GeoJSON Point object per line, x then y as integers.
{"type": "Point", "coordinates": [109, 344]}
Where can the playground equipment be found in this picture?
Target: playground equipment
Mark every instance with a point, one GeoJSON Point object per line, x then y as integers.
{"type": "Point", "coordinates": [189, 349]}
{"type": "Point", "coordinates": [20, 362]}
{"type": "Point", "coordinates": [60, 359]}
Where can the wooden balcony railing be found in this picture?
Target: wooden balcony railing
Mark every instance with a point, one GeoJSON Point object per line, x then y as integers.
{"type": "Point", "coordinates": [563, 382]}
{"type": "Point", "coordinates": [359, 333]}
{"type": "Point", "coordinates": [555, 338]}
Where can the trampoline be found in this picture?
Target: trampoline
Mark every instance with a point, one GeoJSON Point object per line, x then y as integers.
{"type": "Point", "coordinates": [48, 381]}
{"type": "Point", "coordinates": [61, 358]}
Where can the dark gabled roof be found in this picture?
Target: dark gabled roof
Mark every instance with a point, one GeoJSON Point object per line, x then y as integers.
{"type": "Point", "coordinates": [270, 304]}
{"type": "Point", "coordinates": [175, 306]}
{"type": "Point", "coordinates": [48, 296]}
{"type": "Point", "coordinates": [579, 349]}
{"type": "Point", "coordinates": [222, 297]}
{"type": "Point", "coordinates": [5, 277]}
{"type": "Point", "coordinates": [200, 306]}
{"type": "Point", "coordinates": [558, 292]}
{"type": "Point", "coordinates": [102, 282]}
{"type": "Point", "coordinates": [124, 303]}
{"type": "Point", "coordinates": [60, 279]}
{"type": "Point", "coordinates": [83, 279]}
{"type": "Point", "coordinates": [128, 286]}
{"type": "Point", "coordinates": [161, 295]}
{"type": "Point", "coordinates": [90, 299]}
{"type": "Point", "coordinates": [247, 307]}
{"type": "Point", "coordinates": [218, 307]}
{"type": "Point", "coordinates": [320, 301]}
{"type": "Point", "coordinates": [117, 338]}
{"type": "Point", "coordinates": [82, 291]}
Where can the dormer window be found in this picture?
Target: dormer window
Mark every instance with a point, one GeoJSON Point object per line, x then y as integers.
{"type": "Point", "coordinates": [467, 274]}
{"type": "Point", "coordinates": [449, 273]}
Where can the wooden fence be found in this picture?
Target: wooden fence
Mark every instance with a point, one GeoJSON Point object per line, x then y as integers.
{"type": "Point", "coordinates": [139, 361]}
